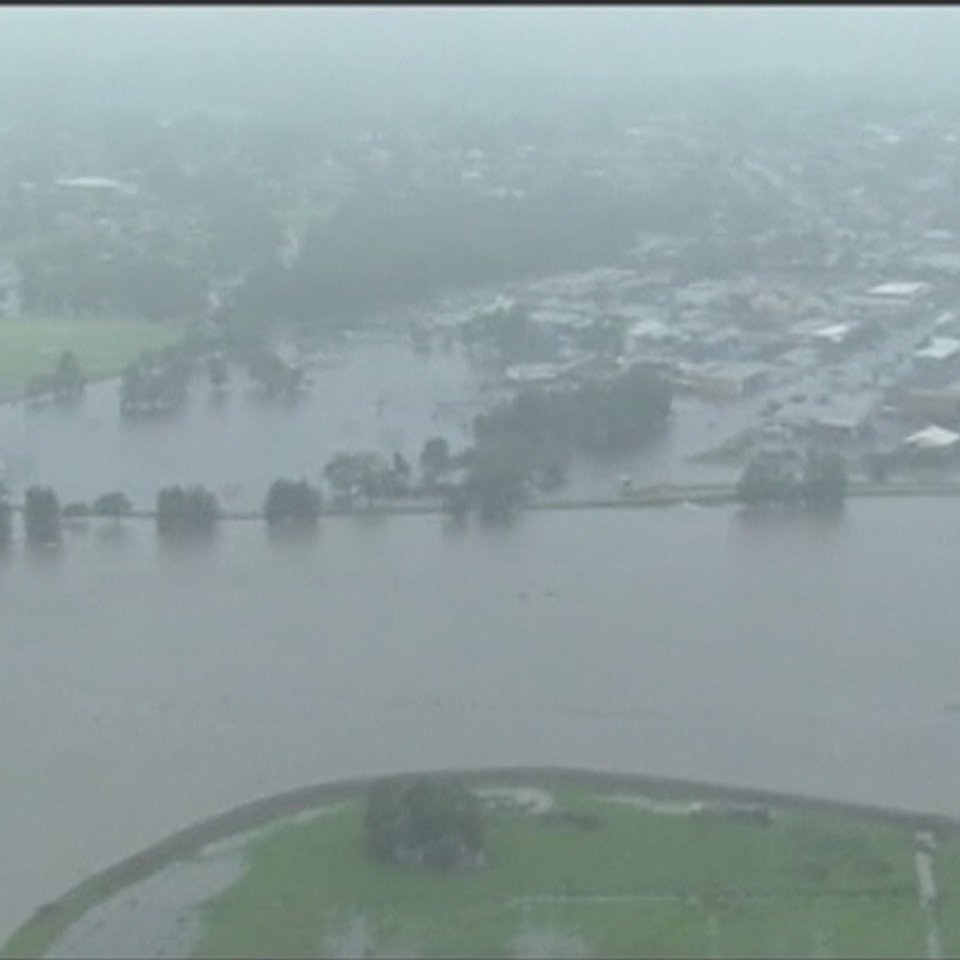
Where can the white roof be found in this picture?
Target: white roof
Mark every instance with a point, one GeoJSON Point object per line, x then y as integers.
{"type": "Point", "coordinates": [933, 438]}
{"type": "Point", "coordinates": [940, 348]}
{"type": "Point", "coordinates": [836, 331]}
{"type": "Point", "coordinates": [896, 288]}
{"type": "Point", "coordinates": [93, 183]}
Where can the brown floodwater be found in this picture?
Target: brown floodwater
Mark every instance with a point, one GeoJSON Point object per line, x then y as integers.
{"type": "Point", "coordinates": [144, 688]}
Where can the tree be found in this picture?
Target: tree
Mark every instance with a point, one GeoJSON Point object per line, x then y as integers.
{"type": "Point", "coordinates": [824, 479]}
{"type": "Point", "coordinates": [114, 504]}
{"type": "Point", "coordinates": [366, 474]}
{"type": "Point", "coordinates": [767, 481]}
{"type": "Point", "coordinates": [497, 479]}
{"type": "Point", "coordinates": [292, 502]}
{"type": "Point", "coordinates": [434, 458]}
{"type": "Point", "coordinates": [277, 379]}
{"type": "Point", "coordinates": [187, 511]}
{"type": "Point", "coordinates": [401, 466]}
{"type": "Point", "coordinates": [154, 385]}
{"type": "Point", "coordinates": [69, 381]}
{"type": "Point", "coordinates": [41, 516]}
{"type": "Point", "coordinates": [424, 822]}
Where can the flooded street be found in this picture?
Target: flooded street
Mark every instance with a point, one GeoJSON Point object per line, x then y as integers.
{"type": "Point", "coordinates": [144, 688]}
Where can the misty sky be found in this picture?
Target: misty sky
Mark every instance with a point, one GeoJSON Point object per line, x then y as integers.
{"type": "Point", "coordinates": [373, 48]}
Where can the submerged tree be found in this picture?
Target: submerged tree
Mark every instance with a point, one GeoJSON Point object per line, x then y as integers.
{"type": "Point", "coordinates": [41, 516]}
{"type": "Point", "coordinates": [291, 502]}
{"type": "Point", "coordinates": [366, 474]}
{"type": "Point", "coordinates": [187, 511]}
{"type": "Point", "coordinates": [69, 381]}
{"type": "Point", "coordinates": [113, 504]}
{"type": "Point", "coordinates": [434, 458]}
{"type": "Point", "coordinates": [824, 479]}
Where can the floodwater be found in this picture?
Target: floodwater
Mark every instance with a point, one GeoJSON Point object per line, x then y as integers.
{"type": "Point", "coordinates": [379, 396]}
{"type": "Point", "coordinates": [144, 687]}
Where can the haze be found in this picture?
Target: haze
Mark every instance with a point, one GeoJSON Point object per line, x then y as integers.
{"type": "Point", "coordinates": [312, 55]}
{"type": "Point", "coordinates": [405, 389]}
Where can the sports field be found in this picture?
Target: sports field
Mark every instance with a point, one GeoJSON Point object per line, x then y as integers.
{"type": "Point", "coordinates": [30, 346]}
{"type": "Point", "coordinates": [633, 878]}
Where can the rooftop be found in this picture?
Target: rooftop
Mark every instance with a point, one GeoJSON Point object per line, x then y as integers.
{"type": "Point", "coordinates": [898, 289]}
{"type": "Point", "coordinates": [932, 438]}
{"type": "Point", "coordinates": [940, 348]}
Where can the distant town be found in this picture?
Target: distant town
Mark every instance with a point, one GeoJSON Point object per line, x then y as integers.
{"type": "Point", "coordinates": [795, 281]}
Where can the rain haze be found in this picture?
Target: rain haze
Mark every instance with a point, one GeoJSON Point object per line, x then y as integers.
{"type": "Point", "coordinates": [479, 481]}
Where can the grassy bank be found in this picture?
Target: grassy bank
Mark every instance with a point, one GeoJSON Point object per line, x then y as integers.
{"type": "Point", "coordinates": [31, 346]}
{"type": "Point", "coordinates": [648, 881]}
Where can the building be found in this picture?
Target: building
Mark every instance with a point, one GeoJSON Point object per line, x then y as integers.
{"type": "Point", "coordinates": [897, 291]}
{"type": "Point", "coordinates": [721, 382]}
{"type": "Point", "coordinates": [933, 443]}
{"type": "Point", "coordinates": [939, 348]}
{"type": "Point", "coordinates": [839, 418]}
{"type": "Point", "coordinates": [941, 405]}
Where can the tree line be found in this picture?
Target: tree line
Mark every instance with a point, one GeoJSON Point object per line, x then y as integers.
{"type": "Point", "coordinates": [180, 511]}
{"type": "Point", "coordinates": [818, 481]}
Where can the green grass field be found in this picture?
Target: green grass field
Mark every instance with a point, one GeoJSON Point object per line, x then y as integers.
{"type": "Point", "coordinates": [31, 345]}
{"type": "Point", "coordinates": [645, 883]}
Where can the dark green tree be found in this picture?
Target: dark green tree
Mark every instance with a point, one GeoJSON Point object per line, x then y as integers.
{"type": "Point", "coordinates": [765, 481]}
{"type": "Point", "coordinates": [69, 380]}
{"type": "Point", "coordinates": [424, 821]}
{"type": "Point", "coordinates": [187, 511]}
{"type": "Point", "coordinates": [366, 474]}
{"type": "Point", "coordinates": [113, 504]}
{"type": "Point", "coordinates": [824, 479]}
{"type": "Point", "coordinates": [434, 458]}
{"type": "Point", "coordinates": [41, 516]}
{"type": "Point", "coordinates": [292, 503]}
{"type": "Point", "coordinates": [497, 479]}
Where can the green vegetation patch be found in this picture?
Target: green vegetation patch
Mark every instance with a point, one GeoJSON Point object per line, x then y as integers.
{"type": "Point", "coordinates": [31, 346]}
{"type": "Point", "coordinates": [596, 874]}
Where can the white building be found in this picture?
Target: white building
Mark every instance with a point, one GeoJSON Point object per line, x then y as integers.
{"type": "Point", "coordinates": [939, 349]}
{"type": "Point", "coordinates": [933, 440]}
